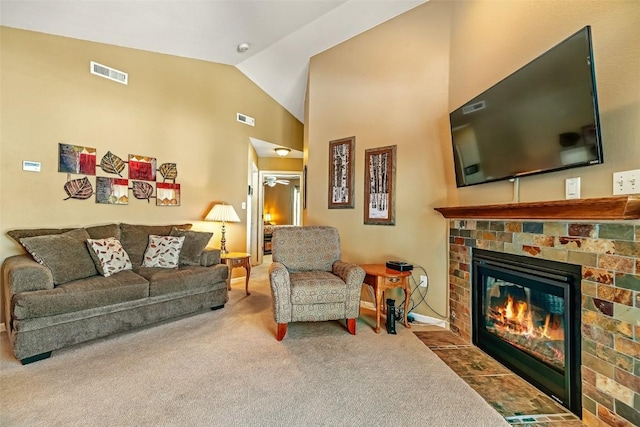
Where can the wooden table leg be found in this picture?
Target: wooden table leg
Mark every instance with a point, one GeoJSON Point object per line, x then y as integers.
{"type": "Point", "coordinates": [378, 305]}
{"type": "Point", "coordinates": [247, 267]}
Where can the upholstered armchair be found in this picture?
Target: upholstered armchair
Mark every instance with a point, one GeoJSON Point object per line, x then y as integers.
{"type": "Point", "coordinates": [308, 280]}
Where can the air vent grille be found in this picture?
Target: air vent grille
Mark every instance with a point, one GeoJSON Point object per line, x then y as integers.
{"type": "Point", "coordinates": [472, 108]}
{"type": "Point", "coordinates": [109, 73]}
{"type": "Point", "coordinates": [243, 118]}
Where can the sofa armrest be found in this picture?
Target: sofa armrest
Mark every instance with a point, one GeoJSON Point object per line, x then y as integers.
{"type": "Point", "coordinates": [210, 257]}
{"type": "Point", "coordinates": [20, 273]}
{"type": "Point", "coordinates": [281, 290]}
{"type": "Point", "coordinates": [353, 276]}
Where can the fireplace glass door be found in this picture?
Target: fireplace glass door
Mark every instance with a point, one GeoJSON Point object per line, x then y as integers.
{"type": "Point", "coordinates": [526, 315]}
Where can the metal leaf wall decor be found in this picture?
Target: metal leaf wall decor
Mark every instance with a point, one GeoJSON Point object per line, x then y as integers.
{"type": "Point", "coordinates": [168, 171]}
{"type": "Point", "coordinates": [80, 189]}
{"type": "Point", "coordinates": [112, 164]}
{"type": "Point", "coordinates": [142, 190]}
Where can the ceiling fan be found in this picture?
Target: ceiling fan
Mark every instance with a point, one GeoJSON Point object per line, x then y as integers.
{"type": "Point", "coordinates": [271, 181]}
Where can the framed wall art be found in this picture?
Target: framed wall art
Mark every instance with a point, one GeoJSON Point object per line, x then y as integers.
{"type": "Point", "coordinates": [142, 168]}
{"type": "Point", "coordinates": [76, 159]}
{"type": "Point", "coordinates": [379, 185]}
{"type": "Point", "coordinates": [341, 172]}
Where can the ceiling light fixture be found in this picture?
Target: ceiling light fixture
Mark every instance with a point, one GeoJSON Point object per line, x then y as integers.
{"type": "Point", "coordinates": [243, 47]}
{"type": "Point", "coordinates": [281, 151]}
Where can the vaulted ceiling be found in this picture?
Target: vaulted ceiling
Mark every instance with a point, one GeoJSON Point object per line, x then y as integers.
{"type": "Point", "coordinates": [282, 34]}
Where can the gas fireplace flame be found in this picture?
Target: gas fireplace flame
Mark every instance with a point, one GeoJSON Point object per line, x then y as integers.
{"type": "Point", "coordinates": [515, 316]}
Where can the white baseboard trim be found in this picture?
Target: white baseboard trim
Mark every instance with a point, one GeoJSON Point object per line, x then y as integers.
{"type": "Point", "coordinates": [421, 318]}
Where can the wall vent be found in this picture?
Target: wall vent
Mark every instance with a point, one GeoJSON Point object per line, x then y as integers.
{"type": "Point", "coordinates": [243, 118]}
{"type": "Point", "coordinates": [109, 73]}
{"type": "Point", "coordinates": [472, 108]}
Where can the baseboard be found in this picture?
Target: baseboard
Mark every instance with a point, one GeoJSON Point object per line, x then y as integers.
{"type": "Point", "coordinates": [421, 318]}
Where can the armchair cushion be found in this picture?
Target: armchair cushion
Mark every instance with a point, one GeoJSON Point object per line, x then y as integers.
{"type": "Point", "coordinates": [313, 248]}
{"type": "Point", "coordinates": [315, 287]}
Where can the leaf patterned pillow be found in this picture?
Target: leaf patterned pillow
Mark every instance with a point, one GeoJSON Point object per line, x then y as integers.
{"type": "Point", "coordinates": [163, 251]}
{"type": "Point", "coordinates": [108, 255]}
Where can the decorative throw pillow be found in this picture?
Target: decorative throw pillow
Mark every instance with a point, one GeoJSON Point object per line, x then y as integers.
{"type": "Point", "coordinates": [108, 255]}
{"type": "Point", "coordinates": [194, 244]}
{"type": "Point", "coordinates": [163, 251]}
{"type": "Point", "coordinates": [65, 254]}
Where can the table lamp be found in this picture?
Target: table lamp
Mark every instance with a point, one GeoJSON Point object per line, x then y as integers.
{"type": "Point", "coordinates": [222, 213]}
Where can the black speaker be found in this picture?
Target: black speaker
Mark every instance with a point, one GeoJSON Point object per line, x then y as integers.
{"type": "Point", "coordinates": [391, 316]}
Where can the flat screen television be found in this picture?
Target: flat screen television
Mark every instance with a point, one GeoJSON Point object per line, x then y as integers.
{"type": "Point", "coordinates": [542, 118]}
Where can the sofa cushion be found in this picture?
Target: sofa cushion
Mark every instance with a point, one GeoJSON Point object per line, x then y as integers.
{"type": "Point", "coordinates": [32, 232]}
{"type": "Point", "coordinates": [194, 244]}
{"type": "Point", "coordinates": [164, 281]}
{"type": "Point", "coordinates": [96, 291]}
{"type": "Point", "coordinates": [163, 251]}
{"type": "Point", "coordinates": [104, 231]}
{"type": "Point", "coordinates": [316, 287]}
{"type": "Point", "coordinates": [66, 254]}
{"type": "Point", "coordinates": [135, 238]}
{"type": "Point", "coordinates": [108, 256]}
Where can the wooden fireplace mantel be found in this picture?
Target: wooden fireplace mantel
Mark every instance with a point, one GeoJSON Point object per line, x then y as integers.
{"type": "Point", "coordinates": [605, 208]}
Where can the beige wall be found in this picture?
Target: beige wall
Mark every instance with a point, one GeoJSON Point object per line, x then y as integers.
{"type": "Point", "coordinates": [396, 84]}
{"type": "Point", "coordinates": [175, 109]}
{"type": "Point", "coordinates": [387, 86]}
{"type": "Point", "coordinates": [491, 39]}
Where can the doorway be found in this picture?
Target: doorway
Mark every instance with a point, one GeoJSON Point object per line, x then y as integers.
{"type": "Point", "coordinates": [284, 206]}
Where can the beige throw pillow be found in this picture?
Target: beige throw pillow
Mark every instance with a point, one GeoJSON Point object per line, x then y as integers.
{"type": "Point", "coordinates": [108, 255]}
{"type": "Point", "coordinates": [163, 251]}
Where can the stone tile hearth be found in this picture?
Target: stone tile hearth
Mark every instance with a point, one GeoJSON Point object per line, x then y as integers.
{"type": "Point", "coordinates": [609, 254]}
{"type": "Point", "coordinates": [517, 401]}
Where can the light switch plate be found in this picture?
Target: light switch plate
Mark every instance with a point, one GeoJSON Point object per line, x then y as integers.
{"type": "Point", "coordinates": [627, 182]}
{"type": "Point", "coordinates": [572, 188]}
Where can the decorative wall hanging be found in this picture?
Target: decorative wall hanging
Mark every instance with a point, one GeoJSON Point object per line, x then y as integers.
{"type": "Point", "coordinates": [112, 191]}
{"type": "Point", "coordinates": [111, 163]}
{"type": "Point", "coordinates": [379, 185]}
{"type": "Point", "coordinates": [80, 188]}
{"type": "Point", "coordinates": [142, 190]}
{"type": "Point", "coordinates": [76, 159]}
{"type": "Point", "coordinates": [168, 171]}
{"type": "Point", "coordinates": [167, 194]}
{"type": "Point", "coordinates": [142, 168]}
{"type": "Point", "coordinates": [341, 173]}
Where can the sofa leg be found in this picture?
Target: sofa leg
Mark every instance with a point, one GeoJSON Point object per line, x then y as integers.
{"type": "Point", "coordinates": [281, 331]}
{"type": "Point", "coordinates": [35, 358]}
{"type": "Point", "coordinates": [351, 326]}
{"type": "Point", "coordinates": [218, 307]}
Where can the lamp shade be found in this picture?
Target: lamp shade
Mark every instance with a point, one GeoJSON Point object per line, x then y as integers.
{"type": "Point", "coordinates": [281, 151]}
{"type": "Point", "coordinates": [222, 213]}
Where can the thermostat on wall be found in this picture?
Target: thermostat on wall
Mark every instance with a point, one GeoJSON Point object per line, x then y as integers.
{"type": "Point", "coordinates": [30, 166]}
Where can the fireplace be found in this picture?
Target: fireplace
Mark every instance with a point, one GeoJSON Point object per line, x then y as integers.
{"type": "Point", "coordinates": [526, 314]}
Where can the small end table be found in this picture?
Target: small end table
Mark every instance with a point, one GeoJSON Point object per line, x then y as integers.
{"type": "Point", "coordinates": [234, 260]}
{"type": "Point", "coordinates": [382, 278]}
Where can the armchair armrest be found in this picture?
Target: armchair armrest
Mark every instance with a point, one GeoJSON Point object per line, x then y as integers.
{"type": "Point", "coordinates": [281, 289]}
{"type": "Point", "coordinates": [353, 276]}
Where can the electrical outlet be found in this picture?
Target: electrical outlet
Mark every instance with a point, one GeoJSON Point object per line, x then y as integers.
{"type": "Point", "coordinates": [424, 281]}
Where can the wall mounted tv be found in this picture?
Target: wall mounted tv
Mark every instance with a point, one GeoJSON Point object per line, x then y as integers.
{"type": "Point", "coordinates": [542, 118]}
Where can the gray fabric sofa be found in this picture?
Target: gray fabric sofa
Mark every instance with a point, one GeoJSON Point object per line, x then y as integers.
{"type": "Point", "coordinates": [54, 304]}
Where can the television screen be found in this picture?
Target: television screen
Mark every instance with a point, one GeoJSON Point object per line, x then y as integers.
{"type": "Point", "coordinates": [542, 118]}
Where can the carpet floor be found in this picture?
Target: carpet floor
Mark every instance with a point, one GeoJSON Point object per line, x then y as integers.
{"type": "Point", "coordinates": [225, 368]}
{"type": "Point", "coordinates": [515, 399]}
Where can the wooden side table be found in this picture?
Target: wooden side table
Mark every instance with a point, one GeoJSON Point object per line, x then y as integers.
{"type": "Point", "coordinates": [235, 260]}
{"type": "Point", "coordinates": [382, 278]}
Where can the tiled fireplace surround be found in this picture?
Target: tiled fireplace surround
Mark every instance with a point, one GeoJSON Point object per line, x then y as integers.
{"type": "Point", "coordinates": [609, 253]}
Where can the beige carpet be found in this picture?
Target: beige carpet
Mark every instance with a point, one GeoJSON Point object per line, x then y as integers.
{"type": "Point", "coordinates": [225, 368]}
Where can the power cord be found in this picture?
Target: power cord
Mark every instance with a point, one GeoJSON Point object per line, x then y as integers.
{"type": "Point", "coordinates": [423, 298]}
